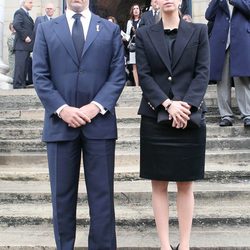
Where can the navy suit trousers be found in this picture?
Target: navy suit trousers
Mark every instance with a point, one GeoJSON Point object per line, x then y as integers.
{"type": "Point", "coordinates": [64, 167]}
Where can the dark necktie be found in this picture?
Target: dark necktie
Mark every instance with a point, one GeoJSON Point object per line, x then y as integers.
{"type": "Point", "coordinates": [156, 16]}
{"type": "Point", "coordinates": [77, 35]}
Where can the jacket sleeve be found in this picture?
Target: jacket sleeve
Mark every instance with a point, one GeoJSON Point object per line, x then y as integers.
{"type": "Point", "coordinates": [242, 5]}
{"type": "Point", "coordinates": [211, 10]}
{"type": "Point", "coordinates": [142, 21]}
{"type": "Point", "coordinates": [48, 94]}
{"type": "Point", "coordinates": [197, 89]}
{"type": "Point", "coordinates": [18, 25]}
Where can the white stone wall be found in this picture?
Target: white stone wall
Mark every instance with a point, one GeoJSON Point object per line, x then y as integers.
{"type": "Point", "coordinates": [199, 7]}
{"type": "Point", "coordinates": [1, 25]}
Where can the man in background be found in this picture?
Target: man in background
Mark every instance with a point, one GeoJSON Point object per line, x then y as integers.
{"type": "Point", "coordinates": [49, 10]}
{"type": "Point", "coordinates": [24, 25]}
{"type": "Point", "coordinates": [152, 16]}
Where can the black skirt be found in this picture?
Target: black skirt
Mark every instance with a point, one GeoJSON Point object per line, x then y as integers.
{"type": "Point", "coordinates": [171, 154]}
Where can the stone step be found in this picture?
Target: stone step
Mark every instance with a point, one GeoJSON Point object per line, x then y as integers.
{"type": "Point", "coordinates": [123, 112]}
{"type": "Point", "coordinates": [26, 99]}
{"type": "Point", "coordinates": [37, 115]}
{"type": "Point", "coordinates": [221, 237]}
{"type": "Point", "coordinates": [130, 144]}
{"type": "Point", "coordinates": [130, 130]}
{"type": "Point", "coordinates": [217, 172]}
{"type": "Point", "coordinates": [123, 157]}
{"type": "Point", "coordinates": [134, 192]}
{"type": "Point", "coordinates": [207, 212]}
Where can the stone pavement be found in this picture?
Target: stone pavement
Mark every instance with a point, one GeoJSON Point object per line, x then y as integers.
{"type": "Point", "coordinates": [222, 212]}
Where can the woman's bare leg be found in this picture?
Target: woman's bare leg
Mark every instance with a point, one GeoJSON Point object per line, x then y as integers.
{"type": "Point", "coordinates": [161, 211]}
{"type": "Point", "coordinates": [185, 208]}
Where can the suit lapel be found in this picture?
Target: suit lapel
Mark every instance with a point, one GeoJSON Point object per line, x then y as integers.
{"type": "Point", "coordinates": [185, 32]}
{"type": "Point", "coordinates": [224, 6]}
{"type": "Point", "coordinates": [61, 28]}
{"type": "Point", "coordinates": [95, 28]}
{"type": "Point", "coordinates": [28, 16]}
{"type": "Point", "coordinates": [156, 34]}
{"type": "Point", "coordinates": [151, 17]}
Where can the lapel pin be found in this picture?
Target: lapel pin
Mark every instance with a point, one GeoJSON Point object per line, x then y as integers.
{"type": "Point", "coordinates": [97, 27]}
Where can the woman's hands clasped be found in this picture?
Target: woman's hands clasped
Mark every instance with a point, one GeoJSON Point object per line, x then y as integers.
{"type": "Point", "coordinates": [179, 112]}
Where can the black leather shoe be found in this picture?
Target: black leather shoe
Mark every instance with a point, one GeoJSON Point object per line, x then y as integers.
{"type": "Point", "coordinates": [247, 123]}
{"type": "Point", "coordinates": [224, 122]}
{"type": "Point", "coordinates": [19, 87]}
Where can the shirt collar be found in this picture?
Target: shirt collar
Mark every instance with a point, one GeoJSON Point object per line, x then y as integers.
{"type": "Point", "coordinates": [25, 10]}
{"type": "Point", "coordinates": [86, 13]}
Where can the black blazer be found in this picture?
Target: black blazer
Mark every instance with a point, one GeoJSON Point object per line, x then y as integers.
{"type": "Point", "coordinates": [24, 25]}
{"type": "Point", "coordinates": [188, 73]}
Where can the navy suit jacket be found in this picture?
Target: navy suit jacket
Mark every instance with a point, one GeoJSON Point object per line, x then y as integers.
{"type": "Point", "coordinates": [147, 18]}
{"type": "Point", "coordinates": [186, 75]}
{"type": "Point", "coordinates": [40, 19]}
{"type": "Point", "coordinates": [24, 26]}
{"type": "Point", "coordinates": [60, 78]}
{"type": "Point", "coordinates": [218, 13]}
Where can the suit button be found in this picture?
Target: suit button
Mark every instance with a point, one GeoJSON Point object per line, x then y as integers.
{"type": "Point", "coordinates": [170, 78]}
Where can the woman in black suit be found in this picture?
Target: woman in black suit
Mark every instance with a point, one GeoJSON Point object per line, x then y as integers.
{"type": "Point", "coordinates": [173, 66]}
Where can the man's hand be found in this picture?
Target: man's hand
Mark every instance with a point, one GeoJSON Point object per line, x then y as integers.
{"type": "Point", "coordinates": [91, 110]}
{"type": "Point", "coordinates": [74, 117]}
{"type": "Point", "coordinates": [27, 39]}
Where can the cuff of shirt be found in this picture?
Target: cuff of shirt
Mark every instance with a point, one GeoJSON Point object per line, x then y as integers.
{"type": "Point", "coordinates": [102, 109]}
{"type": "Point", "coordinates": [60, 109]}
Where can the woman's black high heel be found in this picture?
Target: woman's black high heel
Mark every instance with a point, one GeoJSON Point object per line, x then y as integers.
{"type": "Point", "coordinates": [171, 247]}
{"type": "Point", "coordinates": [177, 248]}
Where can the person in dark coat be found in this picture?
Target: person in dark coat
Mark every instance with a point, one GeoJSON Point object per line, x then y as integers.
{"type": "Point", "coordinates": [230, 57]}
{"type": "Point", "coordinates": [24, 25]}
{"type": "Point", "coordinates": [186, 10]}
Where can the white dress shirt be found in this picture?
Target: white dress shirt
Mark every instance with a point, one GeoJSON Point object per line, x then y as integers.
{"type": "Point", "coordinates": [85, 19]}
{"type": "Point", "coordinates": [230, 7]}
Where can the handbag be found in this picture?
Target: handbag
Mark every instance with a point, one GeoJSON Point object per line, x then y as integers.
{"type": "Point", "coordinates": [131, 46]}
{"type": "Point", "coordinates": [194, 122]}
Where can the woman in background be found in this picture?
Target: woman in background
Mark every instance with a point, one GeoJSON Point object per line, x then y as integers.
{"type": "Point", "coordinates": [173, 66]}
{"type": "Point", "coordinates": [132, 25]}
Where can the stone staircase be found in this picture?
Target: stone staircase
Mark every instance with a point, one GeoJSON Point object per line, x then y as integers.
{"type": "Point", "coordinates": [222, 212]}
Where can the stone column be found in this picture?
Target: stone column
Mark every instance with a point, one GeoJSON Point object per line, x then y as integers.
{"type": "Point", "coordinates": [5, 81]}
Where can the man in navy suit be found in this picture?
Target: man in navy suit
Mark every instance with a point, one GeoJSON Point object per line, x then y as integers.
{"type": "Point", "coordinates": [24, 25]}
{"type": "Point", "coordinates": [79, 80]}
{"type": "Point", "coordinates": [152, 16]}
{"type": "Point", "coordinates": [49, 10]}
